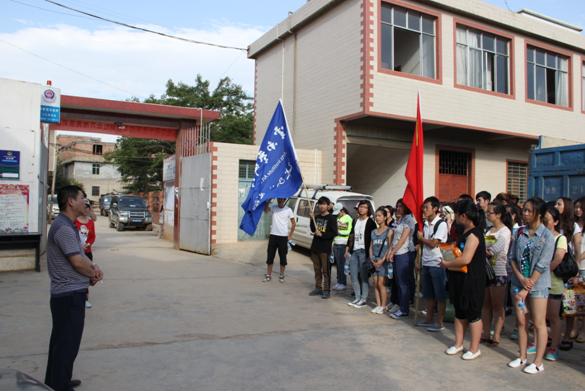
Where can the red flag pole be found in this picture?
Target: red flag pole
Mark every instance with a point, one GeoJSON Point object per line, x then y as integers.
{"type": "Point", "coordinates": [414, 194]}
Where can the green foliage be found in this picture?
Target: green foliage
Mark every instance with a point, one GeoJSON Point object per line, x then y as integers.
{"type": "Point", "coordinates": [140, 162]}
{"type": "Point", "coordinates": [236, 122]}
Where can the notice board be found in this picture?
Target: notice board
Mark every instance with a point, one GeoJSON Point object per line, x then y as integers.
{"type": "Point", "coordinates": [14, 202]}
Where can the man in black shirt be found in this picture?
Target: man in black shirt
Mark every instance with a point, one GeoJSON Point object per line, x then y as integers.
{"type": "Point", "coordinates": [324, 229]}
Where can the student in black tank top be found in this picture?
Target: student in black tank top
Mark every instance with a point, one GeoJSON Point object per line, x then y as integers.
{"type": "Point", "coordinates": [466, 289]}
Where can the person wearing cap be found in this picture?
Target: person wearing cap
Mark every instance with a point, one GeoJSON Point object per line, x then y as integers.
{"type": "Point", "coordinates": [324, 229]}
{"type": "Point", "coordinates": [344, 223]}
{"type": "Point", "coordinates": [282, 218]}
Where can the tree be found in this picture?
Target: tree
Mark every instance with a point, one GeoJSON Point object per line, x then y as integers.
{"type": "Point", "coordinates": [140, 162]}
{"type": "Point", "coordinates": [236, 121]}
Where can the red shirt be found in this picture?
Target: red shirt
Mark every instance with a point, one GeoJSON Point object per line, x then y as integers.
{"type": "Point", "coordinates": [86, 233]}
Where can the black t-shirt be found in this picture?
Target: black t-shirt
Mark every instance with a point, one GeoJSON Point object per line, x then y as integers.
{"type": "Point", "coordinates": [327, 225]}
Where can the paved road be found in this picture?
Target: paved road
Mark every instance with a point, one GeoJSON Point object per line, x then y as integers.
{"type": "Point", "coordinates": [165, 319]}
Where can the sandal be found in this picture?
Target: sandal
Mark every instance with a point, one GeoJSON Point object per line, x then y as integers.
{"type": "Point", "coordinates": [494, 343]}
{"type": "Point", "coordinates": [267, 278]}
{"type": "Point", "coordinates": [281, 278]}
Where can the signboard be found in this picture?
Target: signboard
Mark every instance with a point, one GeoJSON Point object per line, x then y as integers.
{"type": "Point", "coordinates": [51, 105]}
{"type": "Point", "coordinates": [9, 165]}
{"type": "Point", "coordinates": [169, 168]}
{"type": "Point", "coordinates": [14, 201]}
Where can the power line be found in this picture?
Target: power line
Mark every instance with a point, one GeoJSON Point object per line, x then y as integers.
{"type": "Point", "coordinates": [144, 29]}
{"type": "Point", "coordinates": [65, 67]}
{"type": "Point", "coordinates": [46, 9]}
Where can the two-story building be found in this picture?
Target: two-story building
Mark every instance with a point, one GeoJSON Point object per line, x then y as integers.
{"type": "Point", "coordinates": [82, 159]}
{"type": "Point", "coordinates": [491, 83]}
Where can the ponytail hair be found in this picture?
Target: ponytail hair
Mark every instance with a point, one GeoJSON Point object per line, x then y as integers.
{"type": "Point", "coordinates": [567, 218]}
{"type": "Point", "coordinates": [505, 215]}
{"type": "Point", "coordinates": [470, 210]}
{"type": "Point", "coordinates": [556, 217]}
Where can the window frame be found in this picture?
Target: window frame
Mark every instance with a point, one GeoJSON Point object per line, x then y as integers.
{"type": "Point", "coordinates": [97, 147]}
{"type": "Point", "coordinates": [514, 161]}
{"type": "Point", "coordinates": [95, 190]}
{"type": "Point", "coordinates": [559, 52]}
{"type": "Point", "coordinates": [95, 166]}
{"type": "Point", "coordinates": [511, 60]}
{"type": "Point", "coordinates": [438, 79]}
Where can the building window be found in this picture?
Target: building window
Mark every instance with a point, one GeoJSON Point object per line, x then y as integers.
{"type": "Point", "coordinates": [95, 190]}
{"type": "Point", "coordinates": [517, 179]}
{"type": "Point", "coordinates": [483, 60]}
{"type": "Point", "coordinates": [246, 171]}
{"type": "Point", "coordinates": [548, 77]}
{"type": "Point", "coordinates": [97, 149]}
{"type": "Point", "coordinates": [95, 169]}
{"type": "Point", "coordinates": [454, 162]}
{"type": "Point", "coordinates": [408, 41]}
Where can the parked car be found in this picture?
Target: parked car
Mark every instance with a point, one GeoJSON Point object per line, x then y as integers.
{"type": "Point", "coordinates": [129, 212]}
{"type": "Point", "coordinates": [52, 208]}
{"type": "Point", "coordinates": [305, 201]}
{"type": "Point", "coordinates": [105, 201]}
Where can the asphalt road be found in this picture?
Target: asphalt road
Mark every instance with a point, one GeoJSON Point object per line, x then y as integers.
{"type": "Point", "coordinates": [170, 320]}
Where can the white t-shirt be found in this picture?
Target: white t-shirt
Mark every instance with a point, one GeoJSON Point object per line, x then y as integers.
{"type": "Point", "coordinates": [280, 220]}
{"type": "Point", "coordinates": [432, 257]}
{"type": "Point", "coordinates": [360, 234]}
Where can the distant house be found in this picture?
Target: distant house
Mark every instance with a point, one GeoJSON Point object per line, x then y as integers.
{"type": "Point", "coordinates": [82, 159]}
{"type": "Point", "coordinates": [491, 82]}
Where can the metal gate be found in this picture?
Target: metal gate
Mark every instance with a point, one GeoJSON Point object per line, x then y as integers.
{"type": "Point", "coordinates": [195, 204]}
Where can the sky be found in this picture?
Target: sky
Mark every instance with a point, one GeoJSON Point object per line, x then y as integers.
{"type": "Point", "coordinates": [84, 56]}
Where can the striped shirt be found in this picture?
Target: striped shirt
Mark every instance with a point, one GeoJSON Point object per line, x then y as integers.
{"type": "Point", "coordinates": [63, 241]}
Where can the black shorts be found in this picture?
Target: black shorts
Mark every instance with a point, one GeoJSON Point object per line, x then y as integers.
{"type": "Point", "coordinates": [280, 243]}
{"type": "Point", "coordinates": [468, 303]}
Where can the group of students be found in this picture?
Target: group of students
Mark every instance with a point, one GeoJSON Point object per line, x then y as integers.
{"type": "Point", "coordinates": [507, 252]}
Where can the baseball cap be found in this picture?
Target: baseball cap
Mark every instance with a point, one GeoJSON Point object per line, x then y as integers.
{"type": "Point", "coordinates": [337, 208]}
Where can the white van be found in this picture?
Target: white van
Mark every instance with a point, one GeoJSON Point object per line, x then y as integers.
{"type": "Point", "coordinates": [305, 201]}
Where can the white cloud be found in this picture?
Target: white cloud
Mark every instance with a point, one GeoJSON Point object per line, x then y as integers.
{"type": "Point", "coordinates": [136, 63]}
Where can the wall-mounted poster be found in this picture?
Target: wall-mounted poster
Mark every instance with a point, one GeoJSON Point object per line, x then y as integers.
{"type": "Point", "coordinates": [9, 165]}
{"type": "Point", "coordinates": [14, 201]}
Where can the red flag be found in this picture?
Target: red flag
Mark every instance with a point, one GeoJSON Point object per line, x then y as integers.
{"type": "Point", "coordinates": [413, 194]}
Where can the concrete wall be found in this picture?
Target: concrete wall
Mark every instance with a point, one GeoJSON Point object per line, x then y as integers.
{"type": "Point", "coordinates": [20, 105]}
{"type": "Point", "coordinates": [443, 102]}
{"type": "Point", "coordinates": [321, 79]}
{"type": "Point", "coordinates": [227, 159]}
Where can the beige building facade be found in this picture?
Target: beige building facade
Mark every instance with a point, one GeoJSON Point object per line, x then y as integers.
{"type": "Point", "coordinates": [492, 84]}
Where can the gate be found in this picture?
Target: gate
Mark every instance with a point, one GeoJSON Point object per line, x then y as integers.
{"type": "Point", "coordinates": [195, 204]}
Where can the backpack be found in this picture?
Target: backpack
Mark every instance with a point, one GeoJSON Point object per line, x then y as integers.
{"type": "Point", "coordinates": [435, 228]}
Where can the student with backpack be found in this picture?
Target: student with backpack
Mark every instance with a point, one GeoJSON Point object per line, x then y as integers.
{"type": "Point", "coordinates": [435, 231]}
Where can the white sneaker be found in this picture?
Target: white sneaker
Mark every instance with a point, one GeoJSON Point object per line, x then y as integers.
{"type": "Point", "coordinates": [453, 350]}
{"type": "Point", "coordinates": [336, 287]}
{"type": "Point", "coordinates": [468, 356]}
{"type": "Point", "coordinates": [375, 310]}
{"type": "Point", "coordinates": [533, 369]}
{"type": "Point", "coordinates": [517, 363]}
{"type": "Point", "coordinates": [360, 304]}
{"type": "Point", "coordinates": [380, 310]}
{"type": "Point", "coordinates": [352, 303]}
{"type": "Point", "coordinates": [341, 287]}
{"type": "Point", "coordinates": [394, 308]}
{"type": "Point", "coordinates": [88, 305]}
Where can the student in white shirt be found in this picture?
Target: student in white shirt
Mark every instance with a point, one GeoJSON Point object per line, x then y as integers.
{"type": "Point", "coordinates": [280, 234]}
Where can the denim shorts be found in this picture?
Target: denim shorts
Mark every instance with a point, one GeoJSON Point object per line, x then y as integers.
{"type": "Point", "coordinates": [381, 270]}
{"type": "Point", "coordinates": [433, 283]}
{"type": "Point", "coordinates": [542, 293]}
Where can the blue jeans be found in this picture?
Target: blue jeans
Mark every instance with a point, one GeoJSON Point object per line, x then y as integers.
{"type": "Point", "coordinates": [339, 255]}
{"type": "Point", "coordinates": [433, 283]}
{"type": "Point", "coordinates": [358, 265]}
{"type": "Point", "coordinates": [402, 278]}
{"type": "Point", "coordinates": [411, 277]}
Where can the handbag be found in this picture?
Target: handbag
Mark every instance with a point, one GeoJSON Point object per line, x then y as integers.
{"type": "Point", "coordinates": [568, 268]}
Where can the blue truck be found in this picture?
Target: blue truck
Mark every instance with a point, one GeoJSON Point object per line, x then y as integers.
{"type": "Point", "coordinates": [556, 172]}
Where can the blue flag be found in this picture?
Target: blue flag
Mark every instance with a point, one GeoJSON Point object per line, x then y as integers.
{"type": "Point", "coordinates": [277, 172]}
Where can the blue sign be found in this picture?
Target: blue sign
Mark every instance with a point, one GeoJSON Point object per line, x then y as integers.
{"type": "Point", "coordinates": [51, 105]}
{"type": "Point", "coordinates": [277, 172]}
{"type": "Point", "coordinates": [9, 165]}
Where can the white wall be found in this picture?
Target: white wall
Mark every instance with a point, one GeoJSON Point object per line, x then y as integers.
{"type": "Point", "coordinates": [20, 104]}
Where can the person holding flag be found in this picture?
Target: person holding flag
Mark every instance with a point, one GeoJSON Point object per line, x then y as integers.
{"type": "Point", "coordinates": [277, 172]}
{"type": "Point", "coordinates": [280, 235]}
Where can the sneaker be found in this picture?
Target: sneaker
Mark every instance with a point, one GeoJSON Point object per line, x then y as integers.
{"type": "Point", "coordinates": [436, 328]}
{"type": "Point", "coordinates": [360, 304]}
{"type": "Point", "coordinates": [315, 292]}
{"type": "Point", "coordinates": [531, 349]}
{"type": "Point", "coordinates": [394, 309]}
{"type": "Point", "coordinates": [88, 305]}
{"type": "Point", "coordinates": [340, 287]}
{"type": "Point", "coordinates": [336, 287]}
{"type": "Point", "coordinates": [468, 356]}
{"type": "Point", "coordinates": [398, 315]}
{"type": "Point", "coordinates": [325, 294]}
{"type": "Point", "coordinates": [352, 303]}
{"type": "Point", "coordinates": [423, 324]}
{"type": "Point", "coordinates": [551, 354]}
{"type": "Point", "coordinates": [375, 310]}
{"type": "Point", "coordinates": [514, 334]}
{"type": "Point", "coordinates": [517, 363]}
{"type": "Point", "coordinates": [453, 350]}
{"type": "Point", "coordinates": [533, 369]}
{"type": "Point", "coordinates": [267, 278]}
{"type": "Point", "coordinates": [380, 310]}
